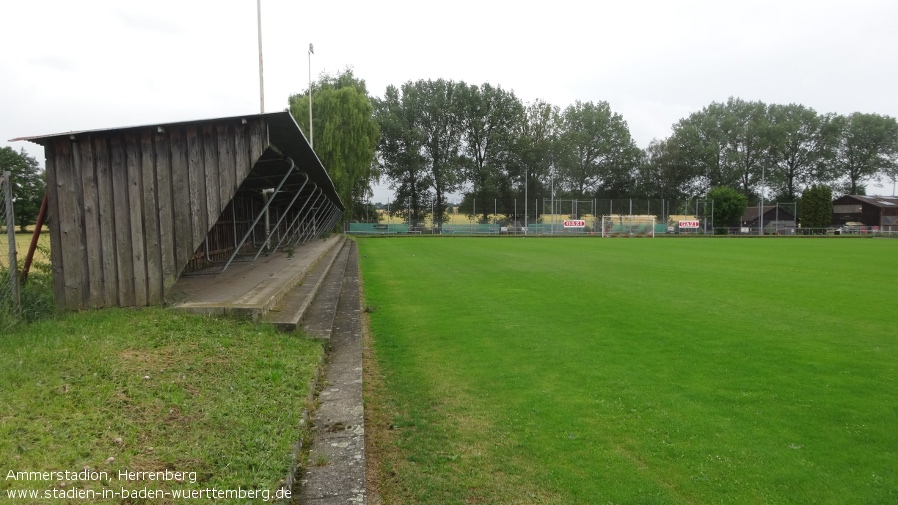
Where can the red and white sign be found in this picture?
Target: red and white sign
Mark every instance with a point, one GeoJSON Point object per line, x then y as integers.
{"type": "Point", "coordinates": [689, 224]}
{"type": "Point", "coordinates": [574, 223]}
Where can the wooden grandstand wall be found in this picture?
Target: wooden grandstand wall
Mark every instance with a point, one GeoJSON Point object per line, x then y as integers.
{"type": "Point", "coordinates": [129, 207]}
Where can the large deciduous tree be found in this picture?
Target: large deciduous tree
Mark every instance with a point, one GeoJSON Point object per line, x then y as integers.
{"type": "Point", "coordinates": [700, 141]}
{"type": "Point", "coordinates": [440, 122]}
{"type": "Point", "coordinates": [867, 148]}
{"type": "Point", "coordinates": [726, 143]}
{"type": "Point", "coordinates": [346, 133]}
{"type": "Point", "coordinates": [28, 185]}
{"type": "Point", "coordinates": [747, 131]}
{"type": "Point", "coordinates": [800, 146]}
{"type": "Point", "coordinates": [662, 173]}
{"type": "Point", "coordinates": [400, 150]}
{"type": "Point", "coordinates": [596, 153]}
{"type": "Point", "coordinates": [490, 117]}
{"type": "Point", "coordinates": [429, 132]}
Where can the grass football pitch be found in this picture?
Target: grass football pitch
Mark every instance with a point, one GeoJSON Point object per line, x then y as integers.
{"type": "Point", "coordinates": [528, 370]}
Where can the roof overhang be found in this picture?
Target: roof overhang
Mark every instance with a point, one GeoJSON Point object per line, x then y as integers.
{"type": "Point", "coordinates": [284, 134]}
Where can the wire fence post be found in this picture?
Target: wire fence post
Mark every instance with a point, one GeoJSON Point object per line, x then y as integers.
{"type": "Point", "coordinates": [9, 291]}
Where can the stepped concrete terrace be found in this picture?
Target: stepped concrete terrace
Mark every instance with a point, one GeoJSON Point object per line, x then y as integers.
{"type": "Point", "coordinates": [251, 289]}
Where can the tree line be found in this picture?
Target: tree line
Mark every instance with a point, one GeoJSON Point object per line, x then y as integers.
{"type": "Point", "coordinates": [428, 139]}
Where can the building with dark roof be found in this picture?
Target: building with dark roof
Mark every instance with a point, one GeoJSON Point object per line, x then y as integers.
{"type": "Point", "coordinates": [878, 212]}
{"type": "Point", "coordinates": [775, 218]}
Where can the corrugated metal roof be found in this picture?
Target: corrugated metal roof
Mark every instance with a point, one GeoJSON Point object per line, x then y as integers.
{"type": "Point", "coordinates": [888, 202]}
{"type": "Point", "coordinates": [283, 132]}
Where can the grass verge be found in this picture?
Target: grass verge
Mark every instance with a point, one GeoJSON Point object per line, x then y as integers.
{"type": "Point", "coordinates": [633, 371]}
{"type": "Point", "coordinates": [150, 390]}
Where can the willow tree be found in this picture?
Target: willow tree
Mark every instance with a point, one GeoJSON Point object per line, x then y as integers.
{"type": "Point", "coordinates": [346, 133]}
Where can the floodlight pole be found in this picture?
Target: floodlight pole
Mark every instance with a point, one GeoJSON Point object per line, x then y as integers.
{"type": "Point", "coordinates": [311, 130]}
{"type": "Point", "coordinates": [261, 81]}
{"type": "Point", "coordinates": [526, 183]}
{"type": "Point", "coordinates": [552, 199]}
{"type": "Point", "coordinates": [761, 213]}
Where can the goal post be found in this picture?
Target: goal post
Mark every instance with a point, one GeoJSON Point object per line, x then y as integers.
{"type": "Point", "coordinates": [628, 225]}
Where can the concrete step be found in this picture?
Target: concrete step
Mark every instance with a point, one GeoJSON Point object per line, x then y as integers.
{"type": "Point", "coordinates": [336, 473]}
{"type": "Point", "coordinates": [289, 311]}
{"type": "Point", "coordinates": [319, 318]}
{"type": "Point", "coordinates": [252, 289]}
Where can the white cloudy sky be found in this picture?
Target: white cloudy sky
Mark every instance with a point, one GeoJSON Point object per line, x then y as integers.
{"type": "Point", "coordinates": [75, 65]}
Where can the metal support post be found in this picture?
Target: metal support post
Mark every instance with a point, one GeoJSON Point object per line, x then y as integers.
{"type": "Point", "coordinates": [299, 214]}
{"type": "Point", "coordinates": [332, 219]}
{"type": "Point", "coordinates": [317, 214]}
{"type": "Point", "coordinates": [301, 218]}
{"type": "Point", "coordinates": [280, 219]}
{"type": "Point", "coordinates": [255, 221]}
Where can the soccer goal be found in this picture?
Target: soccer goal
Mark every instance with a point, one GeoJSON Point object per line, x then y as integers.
{"type": "Point", "coordinates": [628, 225]}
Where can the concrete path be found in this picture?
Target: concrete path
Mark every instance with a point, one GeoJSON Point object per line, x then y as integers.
{"type": "Point", "coordinates": [336, 467]}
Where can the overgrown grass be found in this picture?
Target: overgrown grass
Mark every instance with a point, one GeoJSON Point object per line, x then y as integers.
{"type": "Point", "coordinates": [151, 390]}
{"type": "Point", "coordinates": [35, 295]}
{"type": "Point", "coordinates": [634, 371]}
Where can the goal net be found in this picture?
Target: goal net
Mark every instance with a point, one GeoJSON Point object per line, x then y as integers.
{"type": "Point", "coordinates": [628, 225]}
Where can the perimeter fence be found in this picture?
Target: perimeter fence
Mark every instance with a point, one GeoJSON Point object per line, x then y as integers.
{"type": "Point", "coordinates": [9, 287]}
{"type": "Point", "coordinates": [553, 217]}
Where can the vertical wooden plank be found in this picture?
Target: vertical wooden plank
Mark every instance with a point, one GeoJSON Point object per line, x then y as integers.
{"type": "Point", "coordinates": [226, 166]}
{"type": "Point", "coordinates": [93, 258]}
{"type": "Point", "coordinates": [199, 223]}
{"type": "Point", "coordinates": [242, 160]}
{"type": "Point", "coordinates": [70, 224]}
{"type": "Point", "coordinates": [166, 220]}
{"type": "Point", "coordinates": [135, 196]}
{"type": "Point", "coordinates": [151, 225]}
{"type": "Point", "coordinates": [122, 217]}
{"type": "Point", "coordinates": [180, 184]}
{"type": "Point", "coordinates": [258, 139]}
{"type": "Point", "coordinates": [211, 161]}
{"type": "Point", "coordinates": [106, 211]}
{"type": "Point", "coordinates": [56, 256]}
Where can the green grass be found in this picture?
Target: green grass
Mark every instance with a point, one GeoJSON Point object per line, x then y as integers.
{"type": "Point", "coordinates": [153, 389]}
{"type": "Point", "coordinates": [635, 371]}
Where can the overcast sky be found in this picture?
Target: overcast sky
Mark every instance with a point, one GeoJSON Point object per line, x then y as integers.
{"type": "Point", "coordinates": [76, 65]}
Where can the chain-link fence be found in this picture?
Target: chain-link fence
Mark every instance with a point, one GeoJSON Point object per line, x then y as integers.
{"type": "Point", "coordinates": [9, 289]}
